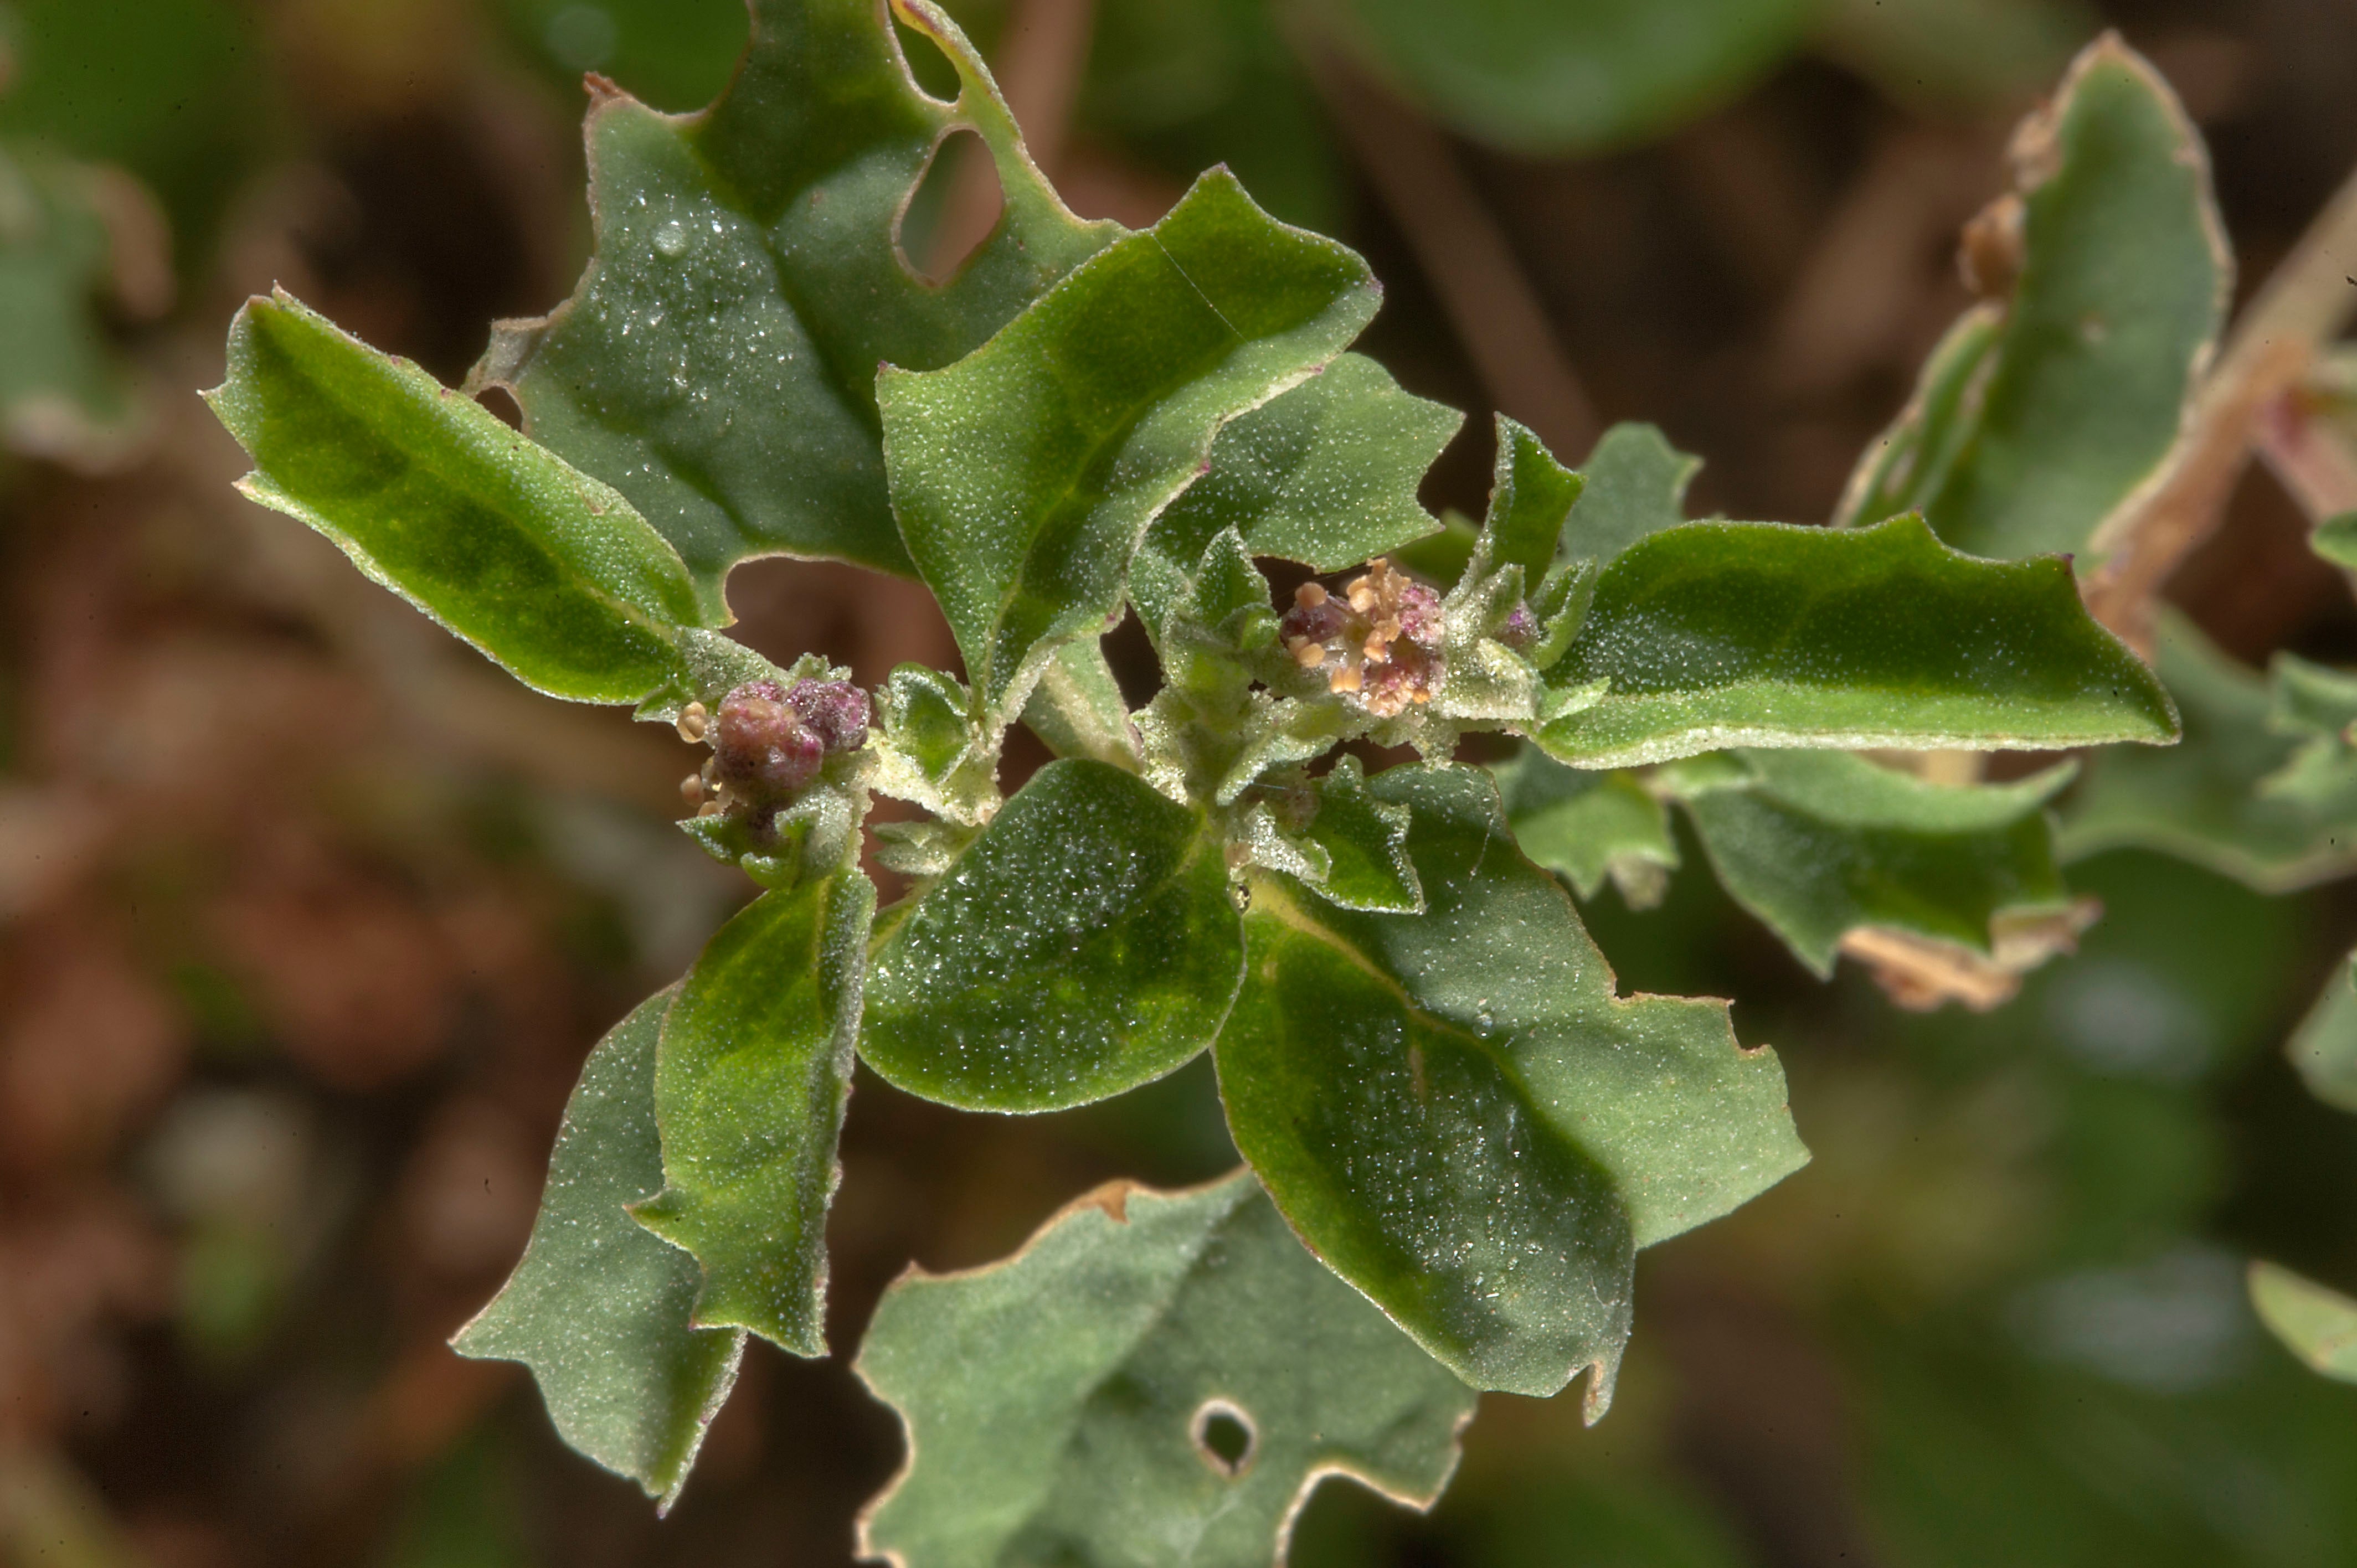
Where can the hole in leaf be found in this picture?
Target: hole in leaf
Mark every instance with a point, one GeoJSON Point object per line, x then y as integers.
{"type": "Point", "coordinates": [1225, 1438]}
{"type": "Point", "coordinates": [952, 210]}
{"type": "Point", "coordinates": [503, 403]}
{"type": "Point", "coordinates": [928, 65]}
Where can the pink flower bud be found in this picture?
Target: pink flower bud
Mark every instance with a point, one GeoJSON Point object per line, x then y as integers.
{"type": "Point", "coordinates": [760, 744]}
{"type": "Point", "coordinates": [834, 711]}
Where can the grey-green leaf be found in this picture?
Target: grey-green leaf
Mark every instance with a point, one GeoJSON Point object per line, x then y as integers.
{"type": "Point", "coordinates": [1024, 475]}
{"type": "Point", "coordinates": [1456, 1113]}
{"type": "Point", "coordinates": [716, 363]}
{"type": "Point", "coordinates": [1589, 825]}
{"type": "Point", "coordinates": [1819, 844]}
{"type": "Point", "coordinates": [1636, 488]}
{"type": "Point", "coordinates": [750, 1085]}
{"type": "Point", "coordinates": [2318, 1324]}
{"type": "Point", "coordinates": [1325, 474]}
{"type": "Point", "coordinates": [2207, 799]}
{"type": "Point", "coordinates": [1721, 634]}
{"type": "Point", "coordinates": [1082, 945]}
{"type": "Point", "coordinates": [2032, 429]}
{"type": "Point", "coordinates": [2324, 1047]}
{"type": "Point", "coordinates": [541, 567]}
{"type": "Point", "coordinates": [599, 1309]}
{"type": "Point", "coordinates": [65, 393]}
{"type": "Point", "coordinates": [1157, 1378]}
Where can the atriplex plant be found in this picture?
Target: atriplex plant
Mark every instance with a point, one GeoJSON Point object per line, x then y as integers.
{"type": "Point", "coordinates": [1446, 1109]}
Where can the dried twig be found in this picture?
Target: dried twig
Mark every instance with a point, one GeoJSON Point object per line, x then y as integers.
{"type": "Point", "coordinates": [1463, 252]}
{"type": "Point", "coordinates": [2308, 301]}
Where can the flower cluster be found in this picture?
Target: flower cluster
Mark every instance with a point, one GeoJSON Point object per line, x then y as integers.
{"type": "Point", "coordinates": [770, 742]}
{"type": "Point", "coordinates": [1379, 639]}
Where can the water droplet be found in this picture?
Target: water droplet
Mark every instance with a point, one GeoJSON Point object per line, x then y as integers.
{"type": "Point", "coordinates": [671, 239]}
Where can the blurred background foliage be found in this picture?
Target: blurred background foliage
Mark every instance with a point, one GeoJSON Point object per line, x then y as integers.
{"type": "Point", "coordinates": [310, 916]}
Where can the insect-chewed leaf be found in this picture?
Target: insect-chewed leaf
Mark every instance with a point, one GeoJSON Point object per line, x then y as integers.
{"type": "Point", "coordinates": [2317, 1325]}
{"type": "Point", "coordinates": [2324, 1048]}
{"type": "Point", "coordinates": [2217, 799]}
{"type": "Point", "coordinates": [541, 567]}
{"type": "Point", "coordinates": [1024, 475]}
{"type": "Point", "coordinates": [1325, 474]}
{"type": "Point", "coordinates": [1456, 1112]}
{"type": "Point", "coordinates": [1588, 825]}
{"type": "Point", "coordinates": [751, 1085]}
{"type": "Point", "coordinates": [1819, 844]}
{"type": "Point", "coordinates": [1636, 488]}
{"type": "Point", "coordinates": [598, 1309]}
{"type": "Point", "coordinates": [716, 363]}
{"type": "Point", "coordinates": [1721, 634]}
{"type": "Point", "coordinates": [1082, 945]}
{"type": "Point", "coordinates": [2043, 412]}
{"type": "Point", "coordinates": [65, 394]}
{"type": "Point", "coordinates": [1155, 1378]}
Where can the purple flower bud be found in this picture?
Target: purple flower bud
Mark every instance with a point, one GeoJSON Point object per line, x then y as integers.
{"type": "Point", "coordinates": [1522, 628]}
{"type": "Point", "coordinates": [834, 711]}
{"type": "Point", "coordinates": [760, 744]}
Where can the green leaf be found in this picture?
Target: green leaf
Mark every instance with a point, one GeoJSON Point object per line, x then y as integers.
{"type": "Point", "coordinates": [2317, 1325]}
{"type": "Point", "coordinates": [717, 362]}
{"type": "Point", "coordinates": [2032, 427]}
{"type": "Point", "coordinates": [545, 569]}
{"type": "Point", "coordinates": [1531, 494]}
{"type": "Point", "coordinates": [599, 1309]}
{"type": "Point", "coordinates": [1818, 844]}
{"type": "Point", "coordinates": [675, 54]}
{"type": "Point", "coordinates": [1084, 944]}
{"type": "Point", "coordinates": [1588, 825]}
{"type": "Point", "coordinates": [2204, 801]}
{"type": "Point", "coordinates": [1636, 488]}
{"type": "Point", "coordinates": [64, 393]}
{"type": "Point", "coordinates": [2319, 707]}
{"type": "Point", "coordinates": [1077, 708]}
{"type": "Point", "coordinates": [2309, 700]}
{"type": "Point", "coordinates": [751, 1085]}
{"type": "Point", "coordinates": [1721, 634]}
{"type": "Point", "coordinates": [1458, 1115]}
{"type": "Point", "coordinates": [1024, 475]}
{"type": "Point", "coordinates": [1951, 58]}
{"type": "Point", "coordinates": [928, 746]}
{"type": "Point", "coordinates": [1364, 842]}
{"type": "Point", "coordinates": [1070, 1404]}
{"type": "Point", "coordinates": [2335, 538]}
{"type": "Point", "coordinates": [181, 94]}
{"type": "Point", "coordinates": [2324, 1047]}
{"type": "Point", "coordinates": [1333, 836]}
{"type": "Point", "coordinates": [1325, 474]}
{"type": "Point", "coordinates": [1916, 458]}
{"type": "Point", "coordinates": [1544, 76]}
